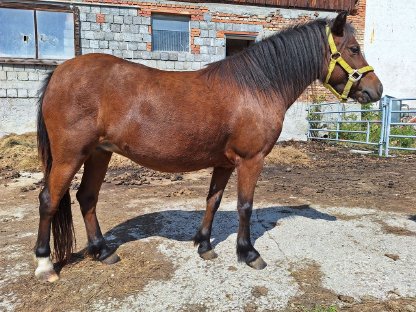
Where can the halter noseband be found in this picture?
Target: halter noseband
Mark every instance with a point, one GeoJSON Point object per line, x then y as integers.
{"type": "Point", "coordinates": [354, 75]}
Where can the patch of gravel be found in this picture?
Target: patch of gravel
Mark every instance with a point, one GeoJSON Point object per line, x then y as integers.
{"type": "Point", "coordinates": [350, 254]}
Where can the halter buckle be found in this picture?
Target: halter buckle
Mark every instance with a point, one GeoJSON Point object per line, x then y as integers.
{"type": "Point", "coordinates": [336, 55]}
{"type": "Point", "coordinates": [355, 76]}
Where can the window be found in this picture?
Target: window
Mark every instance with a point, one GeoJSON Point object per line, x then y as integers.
{"type": "Point", "coordinates": [170, 33]}
{"type": "Point", "coordinates": [235, 44]}
{"type": "Point", "coordinates": [17, 34]}
{"type": "Point", "coordinates": [38, 35]}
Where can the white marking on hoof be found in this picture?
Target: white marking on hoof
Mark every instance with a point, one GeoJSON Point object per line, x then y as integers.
{"type": "Point", "coordinates": [45, 271]}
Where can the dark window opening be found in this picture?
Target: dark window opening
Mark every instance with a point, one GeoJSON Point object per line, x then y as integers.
{"type": "Point", "coordinates": [236, 44]}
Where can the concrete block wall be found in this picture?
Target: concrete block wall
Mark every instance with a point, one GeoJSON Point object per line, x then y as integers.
{"type": "Point", "coordinates": [123, 28]}
{"type": "Point", "coordinates": [127, 33]}
{"type": "Point", "coordinates": [19, 86]}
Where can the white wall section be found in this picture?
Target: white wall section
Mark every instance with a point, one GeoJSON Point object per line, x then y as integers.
{"type": "Point", "coordinates": [390, 44]}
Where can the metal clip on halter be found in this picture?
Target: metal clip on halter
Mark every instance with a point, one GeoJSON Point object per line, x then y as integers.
{"type": "Point", "coordinates": [335, 56]}
{"type": "Point", "coordinates": [355, 76]}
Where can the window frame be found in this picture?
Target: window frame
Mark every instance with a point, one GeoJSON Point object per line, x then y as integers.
{"type": "Point", "coordinates": [50, 8]}
{"type": "Point", "coordinates": [173, 16]}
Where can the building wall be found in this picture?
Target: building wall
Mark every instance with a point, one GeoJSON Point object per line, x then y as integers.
{"type": "Point", "coordinates": [125, 31]}
{"type": "Point", "coordinates": [390, 45]}
{"type": "Point", "coordinates": [19, 86]}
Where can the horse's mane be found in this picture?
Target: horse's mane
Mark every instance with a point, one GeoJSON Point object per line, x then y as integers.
{"type": "Point", "coordinates": [285, 63]}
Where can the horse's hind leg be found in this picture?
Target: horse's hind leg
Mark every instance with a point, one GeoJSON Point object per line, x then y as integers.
{"type": "Point", "coordinates": [219, 181]}
{"type": "Point", "coordinates": [248, 172]}
{"type": "Point", "coordinates": [95, 168]}
{"type": "Point", "coordinates": [55, 207]}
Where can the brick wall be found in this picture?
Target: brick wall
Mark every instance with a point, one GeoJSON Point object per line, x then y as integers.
{"type": "Point", "coordinates": [124, 30]}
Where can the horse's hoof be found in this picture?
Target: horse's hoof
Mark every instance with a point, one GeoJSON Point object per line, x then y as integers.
{"type": "Point", "coordinates": [111, 259]}
{"type": "Point", "coordinates": [45, 272]}
{"type": "Point", "coordinates": [258, 264]}
{"type": "Point", "coordinates": [49, 276]}
{"type": "Point", "coordinates": [209, 255]}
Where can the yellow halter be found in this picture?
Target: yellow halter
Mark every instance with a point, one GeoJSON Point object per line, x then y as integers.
{"type": "Point", "coordinates": [354, 75]}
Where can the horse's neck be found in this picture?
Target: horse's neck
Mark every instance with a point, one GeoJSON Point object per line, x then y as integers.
{"type": "Point", "coordinates": [301, 69]}
{"type": "Point", "coordinates": [287, 100]}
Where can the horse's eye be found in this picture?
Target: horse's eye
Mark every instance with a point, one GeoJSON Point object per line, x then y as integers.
{"type": "Point", "coordinates": [355, 50]}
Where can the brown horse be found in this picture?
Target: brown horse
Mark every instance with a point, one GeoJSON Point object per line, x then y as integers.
{"type": "Point", "coordinates": [226, 116]}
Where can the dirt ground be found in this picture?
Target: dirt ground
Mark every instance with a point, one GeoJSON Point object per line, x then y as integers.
{"type": "Point", "coordinates": [151, 218]}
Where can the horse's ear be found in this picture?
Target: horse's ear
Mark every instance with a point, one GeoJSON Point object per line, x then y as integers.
{"type": "Point", "coordinates": [339, 24]}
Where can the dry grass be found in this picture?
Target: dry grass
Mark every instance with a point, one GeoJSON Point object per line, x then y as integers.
{"type": "Point", "coordinates": [86, 282]}
{"type": "Point", "coordinates": [118, 161]}
{"type": "Point", "coordinates": [19, 152]}
{"type": "Point", "coordinates": [288, 155]}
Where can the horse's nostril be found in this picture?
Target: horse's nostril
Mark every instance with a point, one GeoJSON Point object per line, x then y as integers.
{"type": "Point", "coordinates": [367, 94]}
{"type": "Point", "coordinates": [380, 89]}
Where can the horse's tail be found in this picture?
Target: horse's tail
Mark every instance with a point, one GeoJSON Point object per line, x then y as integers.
{"type": "Point", "coordinates": [62, 226]}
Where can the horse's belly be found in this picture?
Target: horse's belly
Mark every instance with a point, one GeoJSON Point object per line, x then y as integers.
{"type": "Point", "coordinates": [170, 158]}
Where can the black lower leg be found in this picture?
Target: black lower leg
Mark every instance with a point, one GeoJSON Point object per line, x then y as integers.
{"type": "Point", "coordinates": [219, 180]}
{"type": "Point", "coordinates": [203, 241]}
{"type": "Point", "coordinates": [245, 250]}
{"type": "Point", "coordinates": [98, 248]}
{"type": "Point", "coordinates": [42, 248]}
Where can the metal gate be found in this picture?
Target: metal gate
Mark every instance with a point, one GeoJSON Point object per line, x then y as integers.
{"type": "Point", "coordinates": [390, 125]}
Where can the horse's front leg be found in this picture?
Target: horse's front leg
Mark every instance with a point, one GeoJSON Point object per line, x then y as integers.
{"type": "Point", "coordinates": [248, 171]}
{"type": "Point", "coordinates": [219, 179]}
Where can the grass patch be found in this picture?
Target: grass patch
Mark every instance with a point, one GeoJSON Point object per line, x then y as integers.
{"type": "Point", "coordinates": [322, 309]}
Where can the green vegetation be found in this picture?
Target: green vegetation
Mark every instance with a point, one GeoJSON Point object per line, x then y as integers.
{"type": "Point", "coordinates": [314, 117]}
{"type": "Point", "coordinates": [322, 309]}
{"type": "Point", "coordinates": [403, 142]}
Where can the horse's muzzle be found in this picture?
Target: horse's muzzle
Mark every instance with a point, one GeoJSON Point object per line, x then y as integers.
{"type": "Point", "coordinates": [372, 94]}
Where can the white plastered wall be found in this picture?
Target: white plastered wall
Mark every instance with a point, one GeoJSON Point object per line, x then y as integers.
{"type": "Point", "coordinates": [390, 44]}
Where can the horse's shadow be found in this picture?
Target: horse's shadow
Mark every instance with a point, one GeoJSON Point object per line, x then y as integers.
{"type": "Point", "coordinates": [181, 225]}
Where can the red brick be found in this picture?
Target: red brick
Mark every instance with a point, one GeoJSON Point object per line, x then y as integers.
{"type": "Point", "coordinates": [100, 18]}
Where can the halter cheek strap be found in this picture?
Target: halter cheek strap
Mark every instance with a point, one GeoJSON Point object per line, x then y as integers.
{"type": "Point", "coordinates": [354, 75]}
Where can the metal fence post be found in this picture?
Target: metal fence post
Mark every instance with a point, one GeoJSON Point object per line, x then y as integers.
{"type": "Point", "coordinates": [388, 119]}
{"type": "Point", "coordinates": [383, 125]}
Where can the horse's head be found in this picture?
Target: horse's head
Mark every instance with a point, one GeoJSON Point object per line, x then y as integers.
{"type": "Point", "coordinates": [348, 73]}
